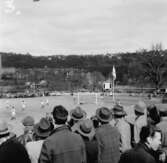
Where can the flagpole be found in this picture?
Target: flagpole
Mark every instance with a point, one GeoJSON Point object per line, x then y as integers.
{"type": "Point", "coordinates": [113, 89]}
{"type": "Point", "coordinates": [113, 79]}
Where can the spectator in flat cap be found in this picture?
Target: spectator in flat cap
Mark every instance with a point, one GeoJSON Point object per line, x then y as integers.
{"type": "Point", "coordinates": [62, 145]}
{"type": "Point", "coordinates": [123, 127]}
{"type": "Point", "coordinates": [108, 138]}
{"type": "Point", "coordinates": [41, 131]}
{"type": "Point", "coordinates": [140, 110]}
{"type": "Point", "coordinates": [27, 136]}
{"type": "Point", "coordinates": [11, 150]}
{"type": "Point", "coordinates": [87, 132]}
{"type": "Point", "coordinates": [76, 115]}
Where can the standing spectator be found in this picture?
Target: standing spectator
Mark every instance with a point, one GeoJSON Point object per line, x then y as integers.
{"type": "Point", "coordinates": [41, 131]}
{"type": "Point", "coordinates": [162, 125]}
{"type": "Point", "coordinates": [87, 132]}
{"type": "Point", "coordinates": [140, 120]}
{"type": "Point", "coordinates": [123, 127]}
{"type": "Point", "coordinates": [62, 146]}
{"type": "Point", "coordinates": [27, 136]}
{"type": "Point", "coordinates": [108, 138]}
{"type": "Point", "coordinates": [76, 115]}
{"type": "Point", "coordinates": [153, 115]}
{"type": "Point", "coordinates": [150, 140]}
{"type": "Point", "coordinates": [11, 151]}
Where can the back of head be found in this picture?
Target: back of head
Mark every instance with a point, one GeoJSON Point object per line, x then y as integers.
{"type": "Point", "coordinates": [42, 129]}
{"type": "Point", "coordinates": [118, 111]}
{"type": "Point", "coordinates": [140, 108]}
{"type": "Point", "coordinates": [154, 114]}
{"type": "Point", "coordinates": [104, 115]}
{"type": "Point", "coordinates": [28, 121]}
{"type": "Point", "coordinates": [60, 114]}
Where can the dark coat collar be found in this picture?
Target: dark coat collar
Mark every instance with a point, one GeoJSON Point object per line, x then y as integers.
{"type": "Point", "coordinates": [64, 127]}
{"type": "Point", "coordinates": [146, 148]}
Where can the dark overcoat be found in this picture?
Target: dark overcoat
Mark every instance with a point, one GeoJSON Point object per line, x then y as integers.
{"type": "Point", "coordinates": [63, 146]}
{"type": "Point", "coordinates": [108, 140]}
{"type": "Point", "coordinates": [140, 154]}
{"type": "Point", "coordinates": [11, 151]}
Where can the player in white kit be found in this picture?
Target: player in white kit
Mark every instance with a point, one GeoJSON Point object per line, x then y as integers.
{"type": "Point", "coordinates": [23, 105]}
{"type": "Point", "coordinates": [13, 113]}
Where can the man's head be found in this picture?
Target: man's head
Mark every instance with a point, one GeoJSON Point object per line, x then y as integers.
{"type": "Point", "coordinates": [28, 123]}
{"type": "Point", "coordinates": [153, 114]}
{"type": "Point", "coordinates": [104, 115]}
{"type": "Point", "coordinates": [60, 114]}
{"type": "Point", "coordinates": [77, 114]}
{"type": "Point", "coordinates": [118, 111]}
{"type": "Point", "coordinates": [151, 136]}
{"type": "Point", "coordinates": [140, 108]}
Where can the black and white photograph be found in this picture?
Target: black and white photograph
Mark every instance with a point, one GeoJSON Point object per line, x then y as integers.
{"type": "Point", "coordinates": [83, 81]}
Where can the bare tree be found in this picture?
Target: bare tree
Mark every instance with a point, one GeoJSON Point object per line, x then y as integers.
{"type": "Point", "coordinates": [155, 65]}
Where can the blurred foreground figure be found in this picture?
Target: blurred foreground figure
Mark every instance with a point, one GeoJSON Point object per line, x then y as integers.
{"type": "Point", "coordinates": [145, 150]}
{"type": "Point", "coordinates": [11, 151]}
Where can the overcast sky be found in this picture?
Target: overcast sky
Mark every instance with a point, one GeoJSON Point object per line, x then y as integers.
{"type": "Point", "coordinates": [50, 27]}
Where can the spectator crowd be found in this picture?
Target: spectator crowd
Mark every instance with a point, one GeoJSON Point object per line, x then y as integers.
{"type": "Point", "coordinates": [109, 136]}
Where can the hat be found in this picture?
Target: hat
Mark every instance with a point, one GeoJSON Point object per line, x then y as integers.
{"type": "Point", "coordinates": [28, 121]}
{"type": "Point", "coordinates": [140, 107]}
{"type": "Point", "coordinates": [5, 129]}
{"type": "Point", "coordinates": [104, 114]}
{"type": "Point", "coordinates": [78, 113]}
{"type": "Point", "coordinates": [86, 128]}
{"type": "Point", "coordinates": [43, 128]}
{"type": "Point", "coordinates": [59, 112]}
{"type": "Point", "coordinates": [118, 110]}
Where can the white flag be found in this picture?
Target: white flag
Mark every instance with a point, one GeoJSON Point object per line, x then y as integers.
{"type": "Point", "coordinates": [113, 73]}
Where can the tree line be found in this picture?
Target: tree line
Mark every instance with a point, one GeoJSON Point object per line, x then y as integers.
{"type": "Point", "coordinates": [142, 68]}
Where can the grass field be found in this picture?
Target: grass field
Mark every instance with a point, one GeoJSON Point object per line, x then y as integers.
{"type": "Point", "coordinates": [88, 103]}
